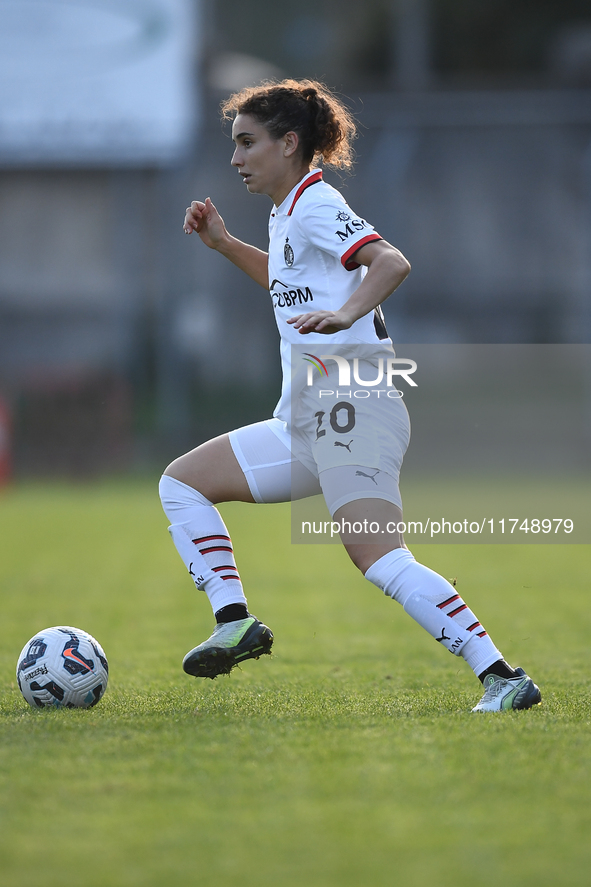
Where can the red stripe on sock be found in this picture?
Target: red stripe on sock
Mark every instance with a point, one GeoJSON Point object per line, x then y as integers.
{"type": "Point", "coordinates": [457, 610]}
{"type": "Point", "coordinates": [236, 578]}
{"type": "Point", "coordinates": [216, 548]}
{"type": "Point", "coordinates": [481, 634]}
{"type": "Point", "coordinates": [224, 567]}
{"type": "Point", "coordinates": [450, 600]}
{"type": "Point", "coordinates": [473, 626]}
{"type": "Point", "coordinates": [209, 538]}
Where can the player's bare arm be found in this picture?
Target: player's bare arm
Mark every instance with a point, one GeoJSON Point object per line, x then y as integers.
{"type": "Point", "coordinates": [205, 220]}
{"type": "Point", "coordinates": [387, 268]}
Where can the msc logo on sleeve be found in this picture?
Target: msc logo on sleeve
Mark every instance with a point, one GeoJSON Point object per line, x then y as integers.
{"type": "Point", "coordinates": [352, 226]}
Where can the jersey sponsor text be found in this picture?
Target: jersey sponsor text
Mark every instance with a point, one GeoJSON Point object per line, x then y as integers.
{"type": "Point", "coordinates": [352, 228]}
{"type": "Point", "coordinates": [285, 298]}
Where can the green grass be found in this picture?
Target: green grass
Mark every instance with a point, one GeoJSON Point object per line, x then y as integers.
{"type": "Point", "coordinates": [349, 757]}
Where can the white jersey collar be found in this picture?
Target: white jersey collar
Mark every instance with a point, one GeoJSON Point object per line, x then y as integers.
{"type": "Point", "coordinates": [287, 205]}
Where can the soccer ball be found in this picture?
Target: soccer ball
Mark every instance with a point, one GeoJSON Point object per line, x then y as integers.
{"type": "Point", "coordinates": [62, 667]}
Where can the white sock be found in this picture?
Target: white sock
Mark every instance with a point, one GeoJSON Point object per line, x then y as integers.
{"type": "Point", "coordinates": [435, 605]}
{"type": "Point", "coordinates": [203, 542]}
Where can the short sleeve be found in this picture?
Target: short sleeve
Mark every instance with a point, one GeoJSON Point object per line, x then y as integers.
{"type": "Point", "coordinates": [333, 227]}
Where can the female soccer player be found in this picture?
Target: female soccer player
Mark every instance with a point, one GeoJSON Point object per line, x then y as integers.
{"type": "Point", "coordinates": [328, 271]}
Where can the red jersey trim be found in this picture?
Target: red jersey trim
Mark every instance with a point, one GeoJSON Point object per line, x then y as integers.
{"type": "Point", "coordinates": [346, 259]}
{"type": "Point", "coordinates": [317, 177]}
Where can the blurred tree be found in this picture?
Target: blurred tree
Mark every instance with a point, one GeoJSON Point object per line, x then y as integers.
{"type": "Point", "coordinates": [500, 36]}
{"type": "Point", "coordinates": [336, 41]}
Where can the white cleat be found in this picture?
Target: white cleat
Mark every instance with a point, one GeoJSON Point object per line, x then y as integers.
{"type": "Point", "coordinates": [506, 694]}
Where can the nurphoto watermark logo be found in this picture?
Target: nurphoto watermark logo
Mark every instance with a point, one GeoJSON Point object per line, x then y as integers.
{"type": "Point", "coordinates": [386, 369]}
{"type": "Point", "coordinates": [483, 466]}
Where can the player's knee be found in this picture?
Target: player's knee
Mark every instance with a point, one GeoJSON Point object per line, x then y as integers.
{"type": "Point", "coordinates": [174, 470]}
{"type": "Point", "coordinates": [188, 470]}
{"type": "Point", "coordinates": [364, 555]}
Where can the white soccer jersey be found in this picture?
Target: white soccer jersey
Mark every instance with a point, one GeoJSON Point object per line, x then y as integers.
{"type": "Point", "coordinates": [313, 236]}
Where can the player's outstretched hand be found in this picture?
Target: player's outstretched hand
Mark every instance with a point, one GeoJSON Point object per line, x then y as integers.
{"type": "Point", "coordinates": [206, 221]}
{"type": "Point", "coordinates": [321, 322]}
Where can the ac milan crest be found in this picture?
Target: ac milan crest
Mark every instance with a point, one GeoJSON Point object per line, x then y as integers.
{"type": "Point", "coordinates": [288, 253]}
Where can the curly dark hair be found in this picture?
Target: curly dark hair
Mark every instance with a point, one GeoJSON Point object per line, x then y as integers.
{"type": "Point", "coordinates": [324, 125]}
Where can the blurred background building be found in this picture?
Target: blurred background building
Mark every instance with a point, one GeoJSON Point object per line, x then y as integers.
{"type": "Point", "coordinates": [123, 342]}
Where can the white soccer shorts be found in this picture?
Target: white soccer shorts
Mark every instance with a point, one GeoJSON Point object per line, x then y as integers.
{"type": "Point", "coordinates": [358, 457]}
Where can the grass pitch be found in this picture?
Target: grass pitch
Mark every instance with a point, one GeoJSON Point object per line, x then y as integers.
{"type": "Point", "coordinates": [348, 757]}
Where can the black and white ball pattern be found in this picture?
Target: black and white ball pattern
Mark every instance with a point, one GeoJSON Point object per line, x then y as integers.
{"type": "Point", "coordinates": [62, 667]}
